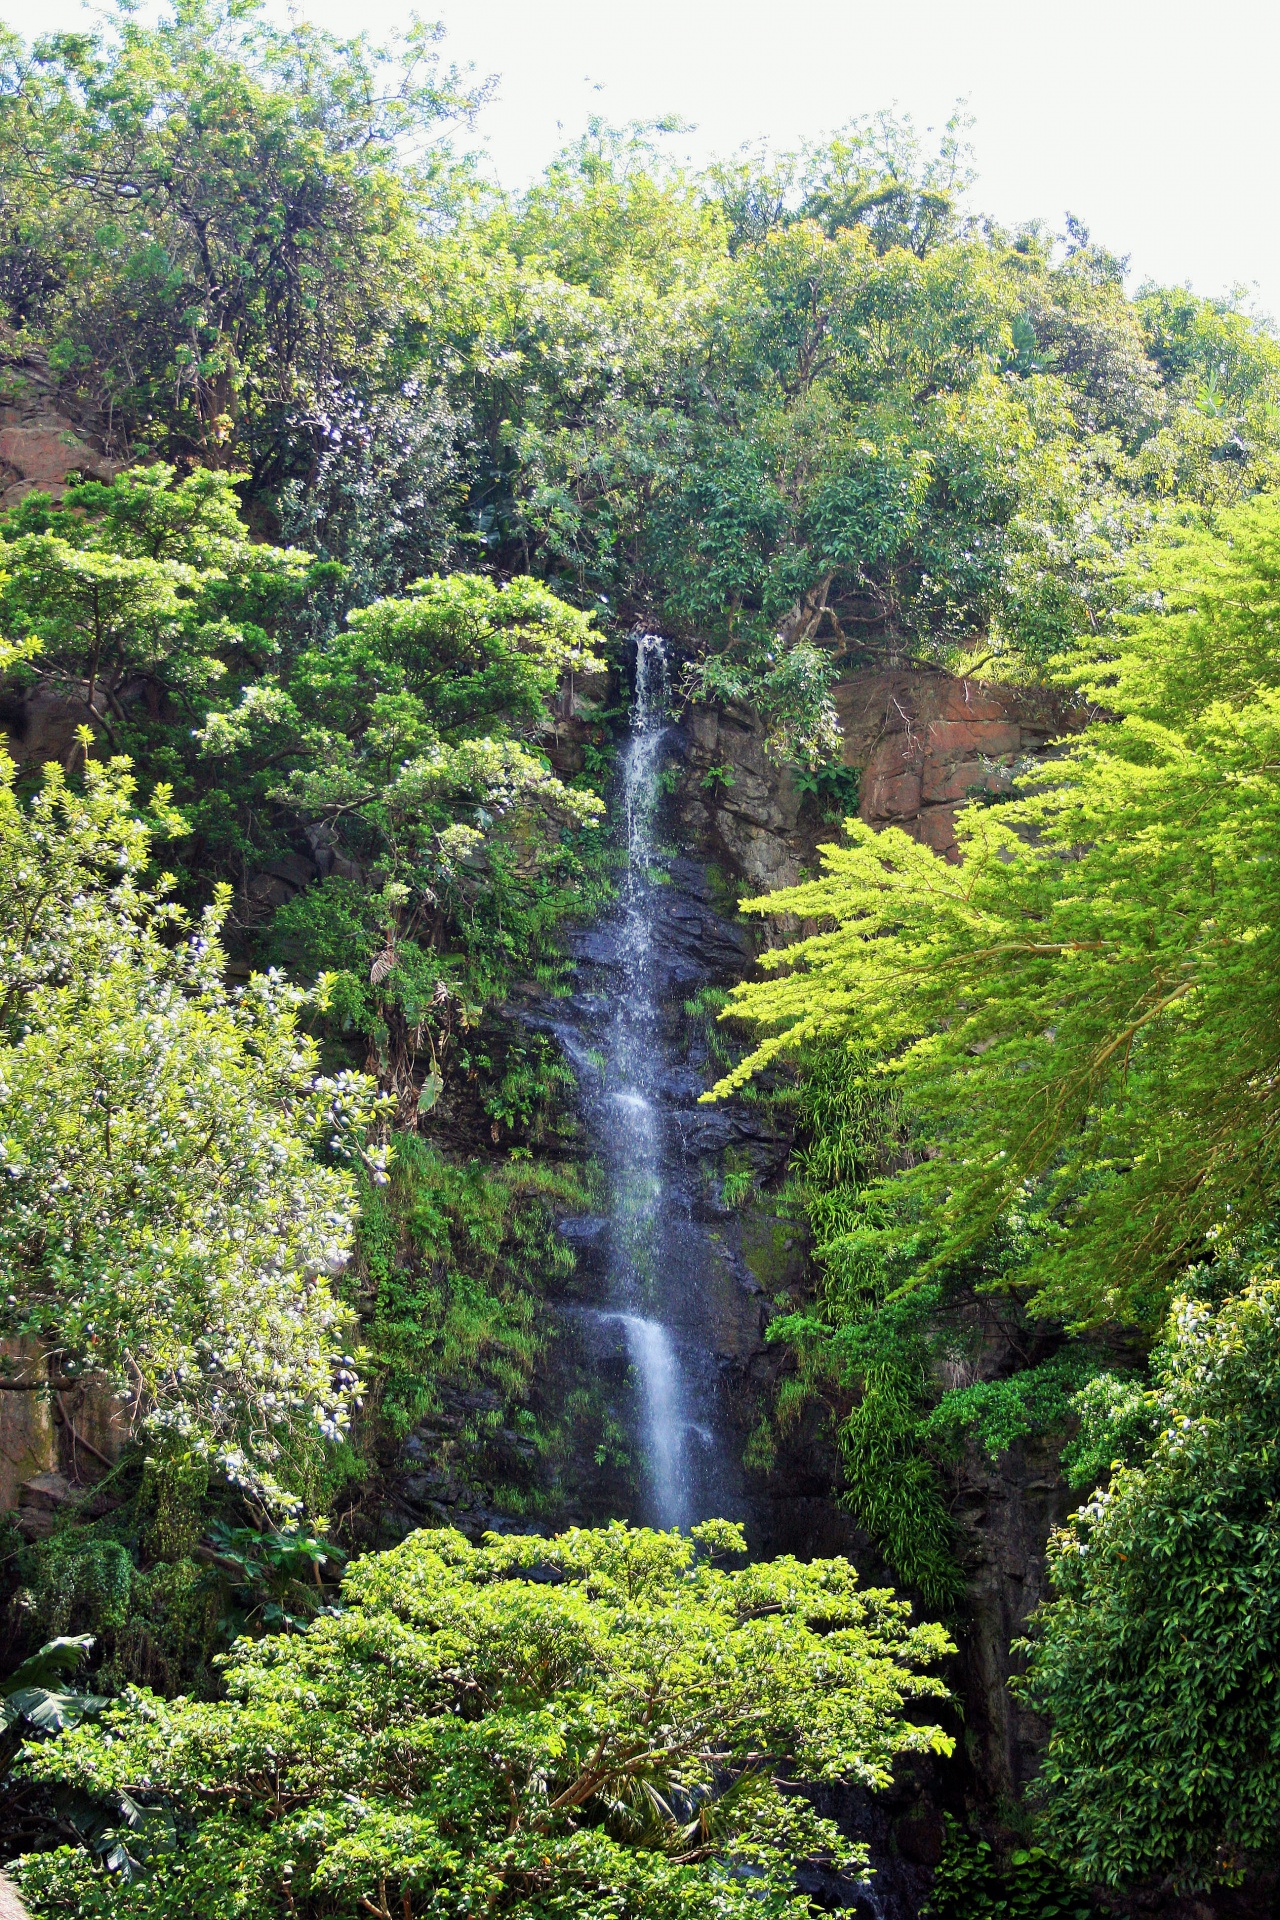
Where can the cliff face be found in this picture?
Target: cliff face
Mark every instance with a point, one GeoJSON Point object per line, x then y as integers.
{"type": "Point", "coordinates": [44, 444]}
{"type": "Point", "coordinates": [922, 744]}
{"type": "Point", "coordinates": [43, 440]}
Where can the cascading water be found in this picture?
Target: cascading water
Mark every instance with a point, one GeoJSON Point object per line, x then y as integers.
{"type": "Point", "coordinates": [635, 1147]}
{"type": "Point", "coordinates": [660, 1281]}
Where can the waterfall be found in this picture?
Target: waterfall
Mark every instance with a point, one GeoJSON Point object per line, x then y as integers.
{"type": "Point", "coordinates": [637, 1148]}
{"type": "Point", "coordinates": [663, 1413]}
{"type": "Point", "coordinates": [669, 1309]}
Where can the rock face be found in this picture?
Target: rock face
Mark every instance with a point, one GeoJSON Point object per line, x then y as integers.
{"type": "Point", "coordinates": [1004, 1513]}
{"type": "Point", "coordinates": [922, 744]}
{"type": "Point", "coordinates": [28, 1445]}
{"type": "Point", "coordinates": [43, 441]}
{"type": "Point", "coordinates": [925, 743]}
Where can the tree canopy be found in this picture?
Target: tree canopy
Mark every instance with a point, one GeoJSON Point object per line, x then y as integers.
{"type": "Point", "coordinates": [1081, 1014]}
{"type": "Point", "coordinates": [603, 1723]}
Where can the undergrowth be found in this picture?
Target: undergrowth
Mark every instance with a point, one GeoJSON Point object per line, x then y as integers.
{"type": "Point", "coordinates": [453, 1262]}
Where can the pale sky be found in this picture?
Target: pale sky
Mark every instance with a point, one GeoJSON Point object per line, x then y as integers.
{"type": "Point", "coordinates": [1154, 121]}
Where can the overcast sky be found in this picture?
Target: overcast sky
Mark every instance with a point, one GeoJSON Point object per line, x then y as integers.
{"type": "Point", "coordinates": [1154, 121]}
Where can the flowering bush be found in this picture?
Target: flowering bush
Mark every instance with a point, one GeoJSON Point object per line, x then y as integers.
{"type": "Point", "coordinates": [165, 1223]}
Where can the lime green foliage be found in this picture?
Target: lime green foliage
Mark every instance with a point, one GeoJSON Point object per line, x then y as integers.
{"type": "Point", "coordinates": [1081, 1018]}
{"type": "Point", "coordinates": [167, 1224]}
{"type": "Point", "coordinates": [591, 1725]}
{"type": "Point", "coordinates": [453, 1262]}
{"type": "Point", "coordinates": [1156, 1660]}
{"type": "Point", "coordinates": [974, 1881]}
{"type": "Point", "coordinates": [147, 585]}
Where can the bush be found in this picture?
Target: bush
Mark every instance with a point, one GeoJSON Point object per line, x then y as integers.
{"type": "Point", "coordinates": [1156, 1662]}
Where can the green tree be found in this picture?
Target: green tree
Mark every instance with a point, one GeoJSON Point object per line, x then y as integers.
{"type": "Point", "coordinates": [208, 216]}
{"type": "Point", "coordinates": [140, 596]}
{"type": "Point", "coordinates": [169, 1225]}
{"type": "Point", "coordinates": [1155, 1662]}
{"type": "Point", "coordinates": [405, 744]}
{"type": "Point", "coordinates": [1081, 1016]}
{"type": "Point", "coordinates": [598, 1724]}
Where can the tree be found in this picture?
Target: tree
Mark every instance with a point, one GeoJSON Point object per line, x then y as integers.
{"type": "Point", "coordinates": [404, 743]}
{"type": "Point", "coordinates": [1155, 1662]}
{"type": "Point", "coordinates": [140, 595]}
{"type": "Point", "coordinates": [223, 212]}
{"type": "Point", "coordinates": [604, 1723]}
{"type": "Point", "coordinates": [1082, 1015]}
{"type": "Point", "coordinates": [169, 1225]}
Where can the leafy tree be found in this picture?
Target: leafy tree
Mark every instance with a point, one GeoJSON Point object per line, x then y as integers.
{"type": "Point", "coordinates": [873, 173]}
{"type": "Point", "coordinates": [222, 212]}
{"type": "Point", "coordinates": [1081, 1016]}
{"type": "Point", "coordinates": [140, 595]}
{"type": "Point", "coordinates": [399, 742]}
{"type": "Point", "coordinates": [167, 1226]}
{"type": "Point", "coordinates": [802, 410]}
{"type": "Point", "coordinates": [1155, 1662]}
{"type": "Point", "coordinates": [601, 1723]}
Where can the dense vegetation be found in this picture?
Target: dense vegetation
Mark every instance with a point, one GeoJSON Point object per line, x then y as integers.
{"type": "Point", "coordinates": [399, 461]}
{"type": "Point", "coordinates": [1072, 1033]}
{"type": "Point", "coordinates": [584, 1725]}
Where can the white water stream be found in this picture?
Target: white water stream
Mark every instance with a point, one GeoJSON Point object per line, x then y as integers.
{"type": "Point", "coordinates": [636, 1149]}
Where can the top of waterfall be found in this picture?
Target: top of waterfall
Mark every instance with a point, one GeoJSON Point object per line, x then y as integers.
{"type": "Point", "coordinates": [653, 681]}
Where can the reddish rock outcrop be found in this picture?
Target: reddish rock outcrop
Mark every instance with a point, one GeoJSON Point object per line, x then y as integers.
{"type": "Point", "coordinates": [926, 743]}
{"type": "Point", "coordinates": [43, 440]}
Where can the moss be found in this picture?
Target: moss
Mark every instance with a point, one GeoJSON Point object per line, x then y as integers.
{"type": "Point", "coordinates": [773, 1249]}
